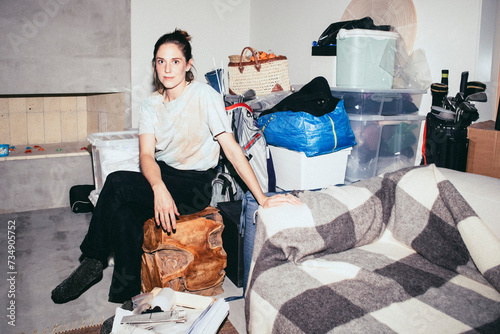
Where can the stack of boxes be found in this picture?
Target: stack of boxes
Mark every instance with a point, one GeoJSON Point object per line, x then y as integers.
{"type": "Point", "coordinates": [385, 121]}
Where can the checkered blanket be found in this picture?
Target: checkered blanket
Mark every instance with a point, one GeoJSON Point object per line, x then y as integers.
{"type": "Point", "coordinates": [402, 252]}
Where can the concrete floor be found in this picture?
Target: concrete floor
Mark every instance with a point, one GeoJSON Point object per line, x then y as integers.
{"type": "Point", "coordinates": [44, 250]}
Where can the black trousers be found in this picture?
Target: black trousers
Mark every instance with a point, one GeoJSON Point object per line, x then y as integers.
{"type": "Point", "coordinates": [125, 202]}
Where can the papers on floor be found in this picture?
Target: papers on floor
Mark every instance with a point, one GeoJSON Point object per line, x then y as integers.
{"type": "Point", "coordinates": [211, 319]}
{"type": "Point", "coordinates": [186, 313]}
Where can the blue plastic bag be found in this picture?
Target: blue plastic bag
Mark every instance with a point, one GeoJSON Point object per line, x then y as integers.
{"type": "Point", "coordinates": [302, 132]}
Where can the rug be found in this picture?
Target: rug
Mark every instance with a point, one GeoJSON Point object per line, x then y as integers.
{"type": "Point", "coordinates": [226, 328]}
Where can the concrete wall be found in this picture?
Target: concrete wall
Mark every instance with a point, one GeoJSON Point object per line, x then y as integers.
{"type": "Point", "coordinates": [65, 47]}
{"type": "Point", "coordinates": [44, 183]}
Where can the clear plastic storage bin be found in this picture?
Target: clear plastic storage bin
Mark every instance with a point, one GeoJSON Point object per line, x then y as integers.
{"type": "Point", "coordinates": [387, 102]}
{"type": "Point", "coordinates": [384, 144]}
{"type": "Point", "coordinates": [365, 58]}
{"type": "Point", "coordinates": [113, 151]}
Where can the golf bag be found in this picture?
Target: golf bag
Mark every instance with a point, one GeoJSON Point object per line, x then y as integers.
{"type": "Point", "coordinates": [445, 143]}
{"type": "Point", "coordinates": [445, 135]}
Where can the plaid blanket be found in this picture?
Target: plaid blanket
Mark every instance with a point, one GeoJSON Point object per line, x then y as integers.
{"type": "Point", "coordinates": [402, 252]}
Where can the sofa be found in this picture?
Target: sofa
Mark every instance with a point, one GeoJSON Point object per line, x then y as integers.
{"type": "Point", "coordinates": [412, 251]}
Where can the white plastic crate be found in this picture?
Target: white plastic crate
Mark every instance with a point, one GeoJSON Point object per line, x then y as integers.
{"type": "Point", "coordinates": [295, 171]}
{"type": "Point", "coordinates": [113, 151]}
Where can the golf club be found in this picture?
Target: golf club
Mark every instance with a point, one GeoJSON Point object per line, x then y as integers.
{"type": "Point", "coordinates": [477, 97]}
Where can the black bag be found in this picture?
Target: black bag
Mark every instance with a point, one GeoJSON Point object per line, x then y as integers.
{"type": "Point", "coordinates": [445, 143]}
{"type": "Point", "coordinates": [315, 98]}
{"type": "Point", "coordinates": [329, 36]}
{"type": "Point", "coordinates": [232, 240]}
{"type": "Point", "coordinates": [79, 198]}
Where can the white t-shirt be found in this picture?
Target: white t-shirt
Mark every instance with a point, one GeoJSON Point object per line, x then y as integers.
{"type": "Point", "coordinates": [185, 128]}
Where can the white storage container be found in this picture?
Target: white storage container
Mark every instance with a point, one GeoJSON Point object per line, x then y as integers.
{"type": "Point", "coordinates": [113, 151]}
{"type": "Point", "coordinates": [384, 144]}
{"type": "Point", "coordinates": [295, 171]}
{"type": "Point", "coordinates": [365, 58]}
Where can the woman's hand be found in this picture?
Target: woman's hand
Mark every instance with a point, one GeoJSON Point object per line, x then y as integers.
{"type": "Point", "coordinates": [164, 205]}
{"type": "Point", "coordinates": [165, 208]}
{"type": "Point", "coordinates": [280, 199]}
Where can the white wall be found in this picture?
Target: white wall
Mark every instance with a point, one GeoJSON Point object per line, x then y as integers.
{"type": "Point", "coordinates": [218, 28]}
{"type": "Point", "coordinates": [462, 45]}
{"type": "Point", "coordinates": [452, 33]}
{"type": "Point", "coordinates": [290, 27]}
{"type": "Point", "coordinates": [448, 32]}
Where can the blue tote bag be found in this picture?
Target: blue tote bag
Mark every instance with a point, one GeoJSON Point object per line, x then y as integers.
{"type": "Point", "coordinates": [303, 132]}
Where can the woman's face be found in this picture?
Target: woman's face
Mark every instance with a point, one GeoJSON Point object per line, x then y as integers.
{"type": "Point", "coordinates": [171, 67]}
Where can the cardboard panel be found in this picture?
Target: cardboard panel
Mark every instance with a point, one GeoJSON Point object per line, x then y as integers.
{"type": "Point", "coordinates": [484, 149]}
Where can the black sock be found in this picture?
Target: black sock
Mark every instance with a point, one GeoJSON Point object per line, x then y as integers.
{"type": "Point", "coordinates": [87, 274]}
{"type": "Point", "coordinates": [107, 325]}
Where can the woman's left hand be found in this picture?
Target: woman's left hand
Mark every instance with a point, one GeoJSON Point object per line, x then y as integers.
{"type": "Point", "coordinates": [165, 208]}
{"type": "Point", "coordinates": [280, 199]}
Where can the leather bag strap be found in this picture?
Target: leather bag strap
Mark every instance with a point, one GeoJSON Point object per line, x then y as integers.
{"type": "Point", "coordinates": [256, 57]}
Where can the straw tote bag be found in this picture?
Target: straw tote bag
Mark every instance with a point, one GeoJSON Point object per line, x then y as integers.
{"type": "Point", "coordinates": [264, 76]}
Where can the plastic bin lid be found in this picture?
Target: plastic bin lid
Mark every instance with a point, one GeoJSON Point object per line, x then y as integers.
{"type": "Point", "coordinates": [397, 118]}
{"type": "Point", "coordinates": [111, 138]}
{"type": "Point", "coordinates": [378, 91]}
{"type": "Point", "coordinates": [377, 34]}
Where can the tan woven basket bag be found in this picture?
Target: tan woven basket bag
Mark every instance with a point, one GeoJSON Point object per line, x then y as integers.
{"type": "Point", "coordinates": [264, 76]}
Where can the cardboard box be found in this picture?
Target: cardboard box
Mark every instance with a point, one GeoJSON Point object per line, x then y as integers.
{"type": "Point", "coordinates": [295, 171]}
{"type": "Point", "coordinates": [484, 149]}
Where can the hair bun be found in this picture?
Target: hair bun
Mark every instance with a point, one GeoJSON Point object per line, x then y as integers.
{"type": "Point", "coordinates": [184, 34]}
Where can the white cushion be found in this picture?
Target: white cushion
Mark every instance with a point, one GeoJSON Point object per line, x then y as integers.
{"type": "Point", "coordinates": [482, 193]}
